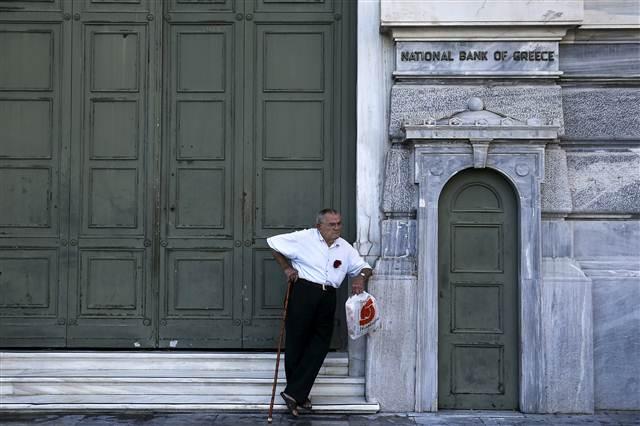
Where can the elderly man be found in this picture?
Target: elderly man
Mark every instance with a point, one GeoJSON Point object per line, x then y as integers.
{"type": "Point", "coordinates": [316, 260]}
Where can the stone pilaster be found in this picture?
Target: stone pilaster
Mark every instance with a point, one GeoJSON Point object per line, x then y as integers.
{"type": "Point", "coordinates": [391, 352]}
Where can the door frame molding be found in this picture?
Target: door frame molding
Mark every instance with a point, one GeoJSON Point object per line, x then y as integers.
{"type": "Point", "coordinates": [522, 164]}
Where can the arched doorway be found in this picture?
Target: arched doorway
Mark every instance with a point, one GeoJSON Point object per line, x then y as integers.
{"type": "Point", "coordinates": [478, 308]}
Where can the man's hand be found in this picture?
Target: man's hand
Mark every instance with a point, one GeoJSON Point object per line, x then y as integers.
{"type": "Point", "coordinates": [357, 285]}
{"type": "Point", "coordinates": [292, 274]}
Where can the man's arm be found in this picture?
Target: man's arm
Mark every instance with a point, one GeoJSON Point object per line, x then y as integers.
{"type": "Point", "coordinates": [289, 271]}
{"type": "Point", "coordinates": [360, 280]}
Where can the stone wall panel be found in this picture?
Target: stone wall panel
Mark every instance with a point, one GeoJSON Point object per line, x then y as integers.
{"type": "Point", "coordinates": [415, 103]}
{"type": "Point", "coordinates": [608, 113]}
{"type": "Point", "coordinates": [604, 182]}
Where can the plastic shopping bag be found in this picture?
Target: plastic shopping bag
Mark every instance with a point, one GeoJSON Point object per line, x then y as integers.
{"type": "Point", "coordinates": [363, 314]}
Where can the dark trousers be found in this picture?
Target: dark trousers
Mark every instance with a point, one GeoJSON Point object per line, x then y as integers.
{"type": "Point", "coordinates": [309, 327]}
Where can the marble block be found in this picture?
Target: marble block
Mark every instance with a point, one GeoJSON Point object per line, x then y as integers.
{"type": "Point", "coordinates": [399, 194]}
{"type": "Point", "coordinates": [567, 337]}
{"type": "Point", "coordinates": [609, 253]}
{"type": "Point", "coordinates": [415, 103]}
{"type": "Point", "coordinates": [593, 239]}
{"type": "Point", "coordinates": [480, 12]}
{"type": "Point", "coordinates": [555, 192]}
{"type": "Point", "coordinates": [557, 238]}
{"type": "Point", "coordinates": [610, 59]}
{"type": "Point", "coordinates": [611, 113]}
{"type": "Point", "coordinates": [616, 323]}
{"type": "Point", "coordinates": [611, 14]}
{"type": "Point", "coordinates": [604, 182]}
{"type": "Point", "coordinates": [357, 350]}
{"type": "Point", "coordinates": [399, 237]}
{"type": "Point", "coordinates": [391, 351]}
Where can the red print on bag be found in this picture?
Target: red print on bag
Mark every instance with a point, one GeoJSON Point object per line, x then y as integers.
{"type": "Point", "coordinates": [368, 313]}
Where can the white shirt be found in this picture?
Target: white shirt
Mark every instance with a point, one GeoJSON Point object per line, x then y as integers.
{"type": "Point", "coordinates": [314, 260]}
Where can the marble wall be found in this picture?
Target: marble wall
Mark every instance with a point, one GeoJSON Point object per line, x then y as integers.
{"type": "Point", "coordinates": [604, 181]}
{"type": "Point", "coordinates": [567, 331]}
{"type": "Point", "coordinates": [609, 253]}
{"type": "Point", "coordinates": [601, 113]}
{"type": "Point", "coordinates": [391, 360]}
{"type": "Point", "coordinates": [414, 103]}
{"type": "Point", "coordinates": [480, 12]}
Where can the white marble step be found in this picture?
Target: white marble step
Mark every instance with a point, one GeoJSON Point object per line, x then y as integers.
{"type": "Point", "coordinates": [328, 404]}
{"type": "Point", "coordinates": [335, 364]}
{"type": "Point", "coordinates": [165, 381]}
{"type": "Point", "coordinates": [16, 386]}
{"type": "Point", "coordinates": [146, 373]}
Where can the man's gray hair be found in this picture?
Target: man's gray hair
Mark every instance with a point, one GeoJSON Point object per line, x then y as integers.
{"type": "Point", "coordinates": [322, 213]}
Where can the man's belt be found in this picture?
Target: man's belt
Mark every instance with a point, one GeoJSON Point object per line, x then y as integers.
{"type": "Point", "coordinates": [324, 287]}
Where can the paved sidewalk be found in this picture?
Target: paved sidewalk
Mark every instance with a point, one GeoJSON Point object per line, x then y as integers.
{"type": "Point", "coordinates": [462, 418]}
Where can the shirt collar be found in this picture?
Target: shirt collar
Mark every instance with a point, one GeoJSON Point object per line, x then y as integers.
{"type": "Point", "coordinates": [336, 243]}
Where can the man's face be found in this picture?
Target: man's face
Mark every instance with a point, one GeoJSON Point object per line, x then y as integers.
{"type": "Point", "coordinates": [330, 227]}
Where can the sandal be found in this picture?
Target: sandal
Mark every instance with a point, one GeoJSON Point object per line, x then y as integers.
{"type": "Point", "coordinates": [307, 404]}
{"type": "Point", "coordinates": [292, 405]}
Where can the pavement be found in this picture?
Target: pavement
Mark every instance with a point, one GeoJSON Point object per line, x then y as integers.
{"type": "Point", "coordinates": [462, 418]}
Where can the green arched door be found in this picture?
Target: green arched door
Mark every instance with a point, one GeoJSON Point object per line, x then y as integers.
{"type": "Point", "coordinates": [478, 293]}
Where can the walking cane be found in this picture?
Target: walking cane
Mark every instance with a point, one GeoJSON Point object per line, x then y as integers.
{"type": "Point", "coordinates": [275, 375]}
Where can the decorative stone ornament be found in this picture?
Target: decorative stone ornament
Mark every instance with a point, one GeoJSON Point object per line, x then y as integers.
{"type": "Point", "coordinates": [477, 123]}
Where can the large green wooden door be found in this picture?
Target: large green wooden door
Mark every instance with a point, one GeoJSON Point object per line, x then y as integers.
{"type": "Point", "coordinates": [251, 149]}
{"type": "Point", "coordinates": [148, 149]}
{"type": "Point", "coordinates": [478, 307]}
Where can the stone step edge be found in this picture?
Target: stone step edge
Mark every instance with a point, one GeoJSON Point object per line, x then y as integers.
{"type": "Point", "coordinates": [367, 408]}
{"type": "Point", "coordinates": [347, 380]}
{"type": "Point", "coordinates": [242, 356]}
{"type": "Point", "coordinates": [174, 373]}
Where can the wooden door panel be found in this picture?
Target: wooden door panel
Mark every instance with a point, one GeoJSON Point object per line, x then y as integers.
{"type": "Point", "coordinates": [29, 281]}
{"type": "Point", "coordinates": [268, 287]}
{"type": "Point", "coordinates": [191, 6]}
{"type": "Point", "coordinates": [299, 6]}
{"type": "Point", "coordinates": [476, 247]}
{"type": "Point", "coordinates": [293, 159]}
{"type": "Point", "coordinates": [201, 264]}
{"type": "Point", "coordinates": [28, 57]}
{"type": "Point", "coordinates": [115, 6]}
{"type": "Point", "coordinates": [478, 307]}
{"type": "Point", "coordinates": [114, 155]}
{"type": "Point", "coordinates": [201, 152]}
{"type": "Point", "coordinates": [30, 155]}
{"type": "Point", "coordinates": [25, 194]}
{"type": "Point", "coordinates": [200, 297]}
{"type": "Point", "coordinates": [303, 136]}
{"type": "Point", "coordinates": [200, 285]}
{"type": "Point", "coordinates": [477, 369]}
{"type": "Point", "coordinates": [34, 6]}
{"type": "Point", "coordinates": [111, 282]}
{"type": "Point", "coordinates": [33, 187]}
{"type": "Point", "coordinates": [20, 140]}
{"type": "Point", "coordinates": [290, 198]}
